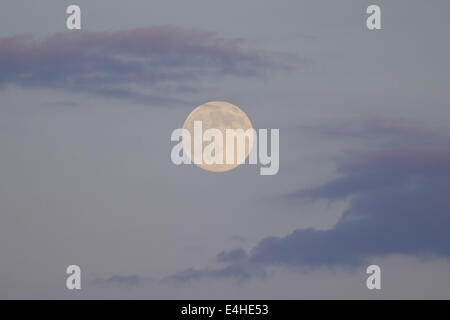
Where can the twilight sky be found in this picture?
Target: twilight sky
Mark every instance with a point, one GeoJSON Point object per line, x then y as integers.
{"type": "Point", "coordinates": [86, 176]}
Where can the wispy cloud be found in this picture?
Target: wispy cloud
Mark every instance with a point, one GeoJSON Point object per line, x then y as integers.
{"type": "Point", "coordinates": [390, 130]}
{"type": "Point", "coordinates": [238, 272]}
{"type": "Point", "coordinates": [123, 280]}
{"type": "Point", "coordinates": [148, 65]}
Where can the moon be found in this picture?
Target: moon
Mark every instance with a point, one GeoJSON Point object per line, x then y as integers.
{"type": "Point", "coordinates": [219, 115]}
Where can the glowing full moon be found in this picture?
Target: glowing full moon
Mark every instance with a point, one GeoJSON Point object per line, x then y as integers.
{"type": "Point", "coordinates": [218, 115]}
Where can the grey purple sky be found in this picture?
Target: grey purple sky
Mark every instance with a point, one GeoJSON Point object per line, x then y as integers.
{"type": "Point", "coordinates": [85, 170]}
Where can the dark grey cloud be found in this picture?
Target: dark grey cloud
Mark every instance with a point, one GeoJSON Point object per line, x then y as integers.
{"type": "Point", "coordinates": [147, 65]}
{"type": "Point", "coordinates": [399, 204]}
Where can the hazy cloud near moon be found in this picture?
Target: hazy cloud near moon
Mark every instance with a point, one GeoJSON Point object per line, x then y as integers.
{"type": "Point", "coordinates": [144, 65]}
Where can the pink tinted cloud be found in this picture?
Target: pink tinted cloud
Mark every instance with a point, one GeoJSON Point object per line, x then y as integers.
{"type": "Point", "coordinates": [109, 63]}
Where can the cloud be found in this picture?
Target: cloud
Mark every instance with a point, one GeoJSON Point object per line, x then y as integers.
{"type": "Point", "coordinates": [391, 130]}
{"type": "Point", "coordinates": [238, 272]}
{"type": "Point", "coordinates": [231, 256]}
{"type": "Point", "coordinates": [129, 280]}
{"type": "Point", "coordinates": [399, 204]}
{"type": "Point", "coordinates": [147, 65]}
